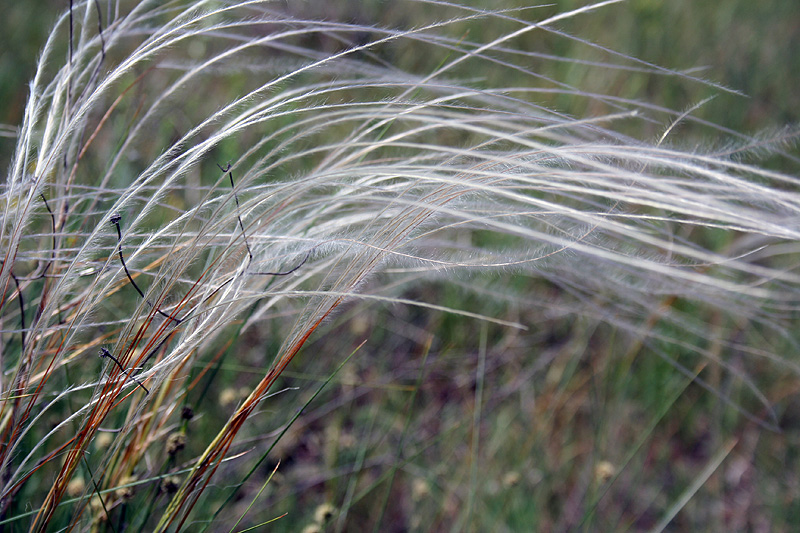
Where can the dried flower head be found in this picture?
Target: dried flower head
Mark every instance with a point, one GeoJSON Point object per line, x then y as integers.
{"type": "Point", "coordinates": [176, 442]}
{"type": "Point", "coordinates": [323, 513]}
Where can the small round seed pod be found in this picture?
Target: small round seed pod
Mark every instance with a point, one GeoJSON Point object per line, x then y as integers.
{"type": "Point", "coordinates": [176, 442]}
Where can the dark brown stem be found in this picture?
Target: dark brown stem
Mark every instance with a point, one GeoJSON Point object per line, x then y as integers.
{"type": "Point", "coordinates": [238, 209]}
{"type": "Point", "coordinates": [115, 219]}
{"type": "Point", "coordinates": [286, 272]}
{"type": "Point", "coordinates": [105, 353]}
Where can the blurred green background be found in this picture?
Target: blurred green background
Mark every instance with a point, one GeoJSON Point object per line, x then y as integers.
{"type": "Point", "coordinates": [748, 46]}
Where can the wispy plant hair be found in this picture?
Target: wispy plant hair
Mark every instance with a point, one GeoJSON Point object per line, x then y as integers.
{"type": "Point", "coordinates": [258, 161]}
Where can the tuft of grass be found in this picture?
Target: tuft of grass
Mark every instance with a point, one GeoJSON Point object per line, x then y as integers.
{"type": "Point", "coordinates": [224, 199]}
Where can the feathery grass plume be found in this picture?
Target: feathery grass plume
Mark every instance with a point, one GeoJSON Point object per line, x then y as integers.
{"type": "Point", "coordinates": [187, 172]}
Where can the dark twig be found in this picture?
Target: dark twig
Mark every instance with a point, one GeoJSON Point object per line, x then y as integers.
{"type": "Point", "coordinates": [105, 353]}
{"type": "Point", "coordinates": [158, 347]}
{"type": "Point", "coordinates": [286, 272]}
{"type": "Point", "coordinates": [115, 219]}
{"type": "Point", "coordinates": [99, 495]}
{"type": "Point", "coordinates": [96, 72]}
{"type": "Point", "coordinates": [44, 270]}
{"type": "Point", "coordinates": [187, 316]}
{"type": "Point", "coordinates": [228, 170]}
{"type": "Point", "coordinates": [43, 299]}
{"type": "Point", "coordinates": [53, 219]}
{"type": "Point", "coordinates": [238, 209]}
{"type": "Point", "coordinates": [21, 307]}
{"type": "Point", "coordinates": [190, 314]}
{"type": "Point", "coordinates": [21, 304]}
{"type": "Point", "coordinates": [100, 30]}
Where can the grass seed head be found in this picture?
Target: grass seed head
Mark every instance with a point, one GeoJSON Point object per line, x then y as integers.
{"type": "Point", "coordinates": [175, 443]}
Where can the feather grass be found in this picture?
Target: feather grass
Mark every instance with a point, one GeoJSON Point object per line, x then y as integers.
{"type": "Point", "coordinates": [356, 179]}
